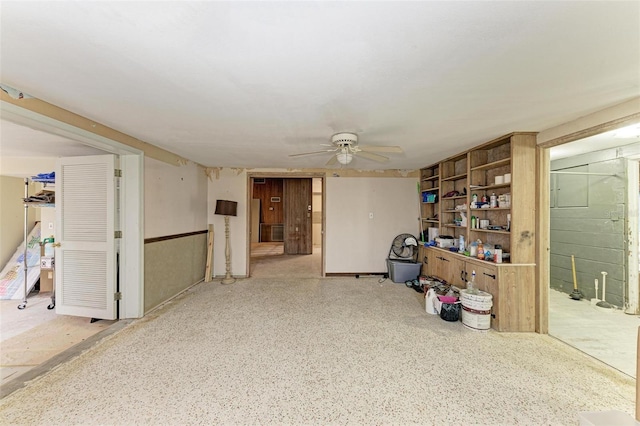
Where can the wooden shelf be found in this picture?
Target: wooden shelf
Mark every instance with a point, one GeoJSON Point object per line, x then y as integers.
{"type": "Point", "coordinates": [430, 189]}
{"type": "Point", "coordinates": [490, 209]}
{"type": "Point", "coordinates": [484, 188]}
{"type": "Point", "coordinates": [474, 171]}
{"type": "Point", "coordinates": [490, 231]}
{"type": "Point", "coordinates": [493, 165]}
{"type": "Point", "coordinates": [456, 177]}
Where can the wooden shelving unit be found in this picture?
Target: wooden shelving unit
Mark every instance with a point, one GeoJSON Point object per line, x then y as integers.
{"type": "Point", "coordinates": [482, 171]}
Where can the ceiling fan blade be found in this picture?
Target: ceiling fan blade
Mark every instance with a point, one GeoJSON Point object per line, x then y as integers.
{"type": "Point", "coordinates": [372, 156]}
{"type": "Point", "coordinates": [312, 153]}
{"type": "Point", "coordinates": [373, 148]}
{"type": "Point", "coordinates": [333, 160]}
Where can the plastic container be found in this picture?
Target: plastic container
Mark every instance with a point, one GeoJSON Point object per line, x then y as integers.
{"type": "Point", "coordinates": [399, 272]}
{"type": "Point", "coordinates": [49, 250]}
{"type": "Point", "coordinates": [476, 320]}
{"type": "Point", "coordinates": [480, 301]}
{"type": "Point", "coordinates": [448, 299]}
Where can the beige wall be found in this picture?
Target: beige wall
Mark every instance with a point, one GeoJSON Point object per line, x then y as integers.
{"type": "Point", "coordinates": [356, 242]}
{"type": "Point", "coordinates": [175, 203]}
{"type": "Point", "coordinates": [12, 215]}
{"type": "Point", "coordinates": [175, 198]}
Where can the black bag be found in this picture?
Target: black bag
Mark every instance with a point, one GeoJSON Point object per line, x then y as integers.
{"type": "Point", "coordinates": [450, 311]}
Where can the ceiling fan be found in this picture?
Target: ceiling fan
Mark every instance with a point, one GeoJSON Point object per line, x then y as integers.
{"type": "Point", "coordinates": [344, 147]}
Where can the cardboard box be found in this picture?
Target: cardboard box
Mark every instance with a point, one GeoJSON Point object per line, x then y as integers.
{"type": "Point", "coordinates": [46, 280]}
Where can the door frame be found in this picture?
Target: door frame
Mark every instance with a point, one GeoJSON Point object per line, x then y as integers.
{"type": "Point", "coordinates": [131, 193]}
{"type": "Point", "coordinates": [284, 175]}
{"type": "Point", "coordinates": [543, 220]}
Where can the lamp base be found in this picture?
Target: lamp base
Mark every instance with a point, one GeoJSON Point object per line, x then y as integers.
{"type": "Point", "coordinates": [228, 280]}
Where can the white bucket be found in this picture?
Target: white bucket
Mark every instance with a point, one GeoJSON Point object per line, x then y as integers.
{"type": "Point", "coordinates": [481, 301]}
{"type": "Point", "coordinates": [476, 320]}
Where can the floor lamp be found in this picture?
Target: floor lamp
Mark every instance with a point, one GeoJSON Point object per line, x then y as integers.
{"type": "Point", "coordinates": [227, 208]}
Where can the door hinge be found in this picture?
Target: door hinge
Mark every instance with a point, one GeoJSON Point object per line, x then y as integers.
{"type": "Point", "coordinates": [118, 173]}
{"type": "Point", "coordinates": [117, 296]}
{"type": "Point", "coordinates": [117, 234]}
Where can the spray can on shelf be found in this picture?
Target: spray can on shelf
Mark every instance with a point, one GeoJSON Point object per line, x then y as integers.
{"type": "Point", "coordinates": [494, 201]}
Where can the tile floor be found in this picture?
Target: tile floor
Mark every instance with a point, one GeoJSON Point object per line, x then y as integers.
{"type": "Point", "coordinates": [605, 334]}
{"type": "Point", "coordinates": [295, 350]}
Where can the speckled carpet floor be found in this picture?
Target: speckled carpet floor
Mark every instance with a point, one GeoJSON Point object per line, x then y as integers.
{"type": "Point", "coordinates": [316, 351]}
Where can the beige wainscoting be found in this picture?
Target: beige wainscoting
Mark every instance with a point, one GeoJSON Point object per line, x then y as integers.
{"type": "Point", "coordinates": [171, 265]}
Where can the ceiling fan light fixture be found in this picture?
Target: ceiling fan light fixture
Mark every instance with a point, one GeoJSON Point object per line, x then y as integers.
{"type": "Point", "coordinates": [344, 157]}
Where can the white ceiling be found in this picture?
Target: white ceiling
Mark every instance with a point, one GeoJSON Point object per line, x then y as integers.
{"type": "Point", "coordinates": [244, 84]}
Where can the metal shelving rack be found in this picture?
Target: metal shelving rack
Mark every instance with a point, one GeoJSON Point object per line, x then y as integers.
{"type": "Point", "coordinates": [45, 181]}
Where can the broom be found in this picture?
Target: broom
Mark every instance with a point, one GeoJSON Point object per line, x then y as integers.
{"type": "Point", "coordinates": [575, 294]}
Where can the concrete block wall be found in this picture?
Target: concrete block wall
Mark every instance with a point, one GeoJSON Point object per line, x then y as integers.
{"type": "Point", "coordinates": [595, 233]}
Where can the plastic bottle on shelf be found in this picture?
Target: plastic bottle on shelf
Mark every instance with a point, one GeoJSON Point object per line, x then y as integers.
{"type": "Point", "coordinates": [49, 251]}
{"type": "Point", "coordinates": [473, 222]}
{"type": "Point", "coordinates": [480, 250]}
{"type": "Point", "coordinates": [461, 244]}
{"type": "Point", "coordinates": [497, 254]}
{"type": "Point", "coordinates": [471, 285]}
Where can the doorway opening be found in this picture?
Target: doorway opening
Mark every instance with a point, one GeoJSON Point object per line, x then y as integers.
{"type": "Point", "coordinates": [42, 331]}
{"type": "Point", "coordinates": [286, 225]}
{"type": "Point", "coordinates": [594, 235]}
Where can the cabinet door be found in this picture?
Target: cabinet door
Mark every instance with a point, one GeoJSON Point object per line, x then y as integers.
{"type": "Point", "coordinates": [452, 269]}
{"type": "Point", "coordinates": [434, 263]}
{"type": "Point", "coordinates": [423, 254]}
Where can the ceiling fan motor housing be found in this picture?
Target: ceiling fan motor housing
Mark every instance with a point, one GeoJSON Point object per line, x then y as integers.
{"type": "Point", "coordinates": [344, 139]}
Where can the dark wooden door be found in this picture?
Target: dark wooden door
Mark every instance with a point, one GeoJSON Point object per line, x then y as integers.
{"type": "Point", "coordinates": [297, 216]}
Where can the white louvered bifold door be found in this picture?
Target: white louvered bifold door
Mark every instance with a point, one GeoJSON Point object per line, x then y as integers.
{"type": "Point", "coordinates": [85, 260]}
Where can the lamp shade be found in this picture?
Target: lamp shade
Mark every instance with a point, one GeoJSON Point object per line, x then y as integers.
{"type": "Point", "coordinates": [226, 208]}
